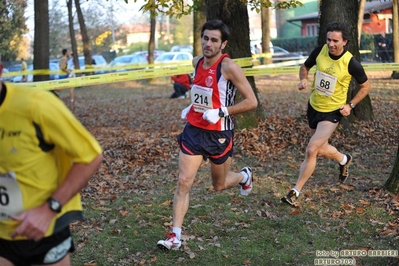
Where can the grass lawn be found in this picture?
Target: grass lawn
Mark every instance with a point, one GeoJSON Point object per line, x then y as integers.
{"type": "Point", "coordinates": [128, 203]}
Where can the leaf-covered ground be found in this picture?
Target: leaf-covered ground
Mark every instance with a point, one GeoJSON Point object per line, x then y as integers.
{"type": "Point", "coordinates": [137, 124]}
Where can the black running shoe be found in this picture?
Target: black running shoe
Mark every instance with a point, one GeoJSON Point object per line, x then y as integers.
{"type": "Point", "coordinates": [290, 198]}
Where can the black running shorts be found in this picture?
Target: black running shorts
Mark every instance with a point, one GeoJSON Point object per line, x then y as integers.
{"type": "Point", "coordinates": [215, 145]}
{"type": "Point", "coordinates": [314, 117]}
{"type": "Point", "coordinates": [49, 250]}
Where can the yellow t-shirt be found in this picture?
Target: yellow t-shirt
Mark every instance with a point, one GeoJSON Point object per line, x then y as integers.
{"type": "Point", "coordinates": [63, 64]}
{"type": "Point", "coordinates": [331, 81]}
{"type": "Point", "coordinates": [39, 140]}
{"type": "Point", "coordinates": [24, 66]}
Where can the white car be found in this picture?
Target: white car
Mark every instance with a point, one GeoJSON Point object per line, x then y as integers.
{"type": "Point", "coordinates": [173, 57]}
{"type": "Point", "coordinates": [98, 60]}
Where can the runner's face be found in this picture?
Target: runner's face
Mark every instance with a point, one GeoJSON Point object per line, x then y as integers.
{"type": "Point", "coordinates": [335, 42]}
{"type": "Point", "coordinates": [212, 44]}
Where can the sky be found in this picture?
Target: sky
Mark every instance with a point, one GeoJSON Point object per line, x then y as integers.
{"type": "Point", "coordinates": [124, 11]}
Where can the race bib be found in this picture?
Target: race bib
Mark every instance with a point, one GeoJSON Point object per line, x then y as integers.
{"type": "Point", "coordinates": [325, 83]}
{"type": "Point", "coordinates": [10, 196]}
{"type": "Point", "coordinates": [201, 98]}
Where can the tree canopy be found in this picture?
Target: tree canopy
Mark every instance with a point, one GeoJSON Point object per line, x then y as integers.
{"type": "Point", "coordinates": [179, 8]}
{"type": "Point", "coordinates": [13, 26]}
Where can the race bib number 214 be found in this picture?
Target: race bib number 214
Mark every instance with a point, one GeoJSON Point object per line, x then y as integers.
{"type": "Point", "coordinates": [201, 98]}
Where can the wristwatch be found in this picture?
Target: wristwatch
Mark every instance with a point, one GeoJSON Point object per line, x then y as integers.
{"type": "Point", "coordinates": [352, 105]}
{"type": "Point", "coordinates": [221, 113]}
{"type": "Point", "coordinates": [54, 205]}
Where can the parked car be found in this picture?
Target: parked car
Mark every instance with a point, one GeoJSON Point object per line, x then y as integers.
{"type": "Point", "coordinates": [279, 55]}
{"type": "Point", "coordinates": [99, 60]}
{"type": "Point", "coordinates": [125, 60]}
{"type": "Point", "coordinates": [5, 70]}
{"type": "Point", "coordinates": [170, 57]}
{"type": "Point", "coordinates": [52, 67]}
{"type": "Point", "coordinates": [182, 48]}
{"type": "Point", "coordinates": [144, 54]}
{"type": "Point", "coordinates": [14, 68]}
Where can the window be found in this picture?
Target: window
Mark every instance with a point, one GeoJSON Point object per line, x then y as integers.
{"type": "Point", "coordinates": [312, 29]}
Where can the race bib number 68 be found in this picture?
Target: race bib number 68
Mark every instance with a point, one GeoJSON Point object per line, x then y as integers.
{"type": "Point", "coordinates": [325, 83]}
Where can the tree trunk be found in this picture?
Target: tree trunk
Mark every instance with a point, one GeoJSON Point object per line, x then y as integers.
{"type": "Point", "coordinates": [199, 18]}
{"type": "Point", "coordinates": [392, 184]}
{"type": "Point", "coordinates": [235, 15]}
{"type": "Point", "coordinates": [72, 35]}
{"type": "Point", "coordinates": [362, 3]}
{"type": "Point", "coordinates": [41, 43]}
{"type": "Point", "coordinates": [151, 41]}
{"type": "Point", "coordinates": [265, 14]}
{"type": "Point", "coordinates": [83, 32]}
{"type": "Point", "coordinates": [343, 10]}
{"type": "Point", "coordinates": [395, 35]}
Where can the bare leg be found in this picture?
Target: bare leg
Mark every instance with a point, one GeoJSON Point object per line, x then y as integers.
{"type": "Point", "coordinates": [5, 262]}
{"type": "Point", "coordinates": [318, 146]}
{"type": "Point", "coordinates": [72, 94]}
{"type": "Point", "coordinates": [188, 167]}
{"type": "Point", "coordinates": [222, 177]}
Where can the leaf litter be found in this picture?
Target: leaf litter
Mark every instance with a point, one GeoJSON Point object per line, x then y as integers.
{"type": "Point", "coordinates": [138, 134]}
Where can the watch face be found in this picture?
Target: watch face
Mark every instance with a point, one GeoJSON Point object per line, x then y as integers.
{"type": "Point", "coordinates": [54, 205]}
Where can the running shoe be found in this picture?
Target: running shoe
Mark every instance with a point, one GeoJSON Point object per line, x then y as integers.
{"type": "Point", "coordinates": [246, 187]}
{"type": "Point", "coordinates": [170, 243]}
{"type": "Point", "coordinates": [343, 170]}
{"type": "Point", "coordinates": [291, 198]}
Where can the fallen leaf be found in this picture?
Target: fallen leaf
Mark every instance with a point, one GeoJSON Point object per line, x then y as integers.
{"type": "Point", "coordinates": [295, 212]}
{"type": "Point", "coordinates": [346, 187]}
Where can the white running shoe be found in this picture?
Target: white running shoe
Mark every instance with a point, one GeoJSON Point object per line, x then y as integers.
{"type": "Point", "coordinates": [171, 243]}
{"type": "Point", "coordinates": [246, 188]}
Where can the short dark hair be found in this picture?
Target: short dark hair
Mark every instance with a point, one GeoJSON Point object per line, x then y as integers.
{"type": "Point", "coordinates": [338, 26]}
{"type": "Point", "coordinates": [216, 25]}
{"type": "Point", "coordinates": [64, 51]}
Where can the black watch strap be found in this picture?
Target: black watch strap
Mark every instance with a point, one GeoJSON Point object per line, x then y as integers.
{"type": "Point", "coordinates": [54, 205]}
{"type": "Point", "coordinates": [221, 113]}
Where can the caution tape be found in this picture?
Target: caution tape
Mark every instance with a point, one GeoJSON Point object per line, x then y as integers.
{"type": "Point", "coordinates": [242, 62]}
{"type": "Point", "coordinates": [158, 70]}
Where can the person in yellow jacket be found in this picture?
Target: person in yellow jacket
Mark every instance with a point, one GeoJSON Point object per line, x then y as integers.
{"type": "Point", "coordinates": [46, 158]}
{"type": "Point", "coordinates": [335, 67]}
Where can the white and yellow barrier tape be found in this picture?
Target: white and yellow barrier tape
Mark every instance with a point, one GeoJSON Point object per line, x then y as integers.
{"type": "Point", "coordinates": [166, 70]}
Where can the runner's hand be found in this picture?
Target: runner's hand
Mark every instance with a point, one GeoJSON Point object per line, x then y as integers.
{"type": "Point", "coordinates": [34, 222]}
{"type": "Point", "coordinates": [212, 116]}
{"type": "Point", "coordinates": [185, 112]}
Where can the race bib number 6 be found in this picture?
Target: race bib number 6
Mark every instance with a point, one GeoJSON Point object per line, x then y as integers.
{"type": "Point", "coordinates": [201, 98]}
{"type": "Point", "coordinates": [325, 83]}
{"type": "Point", "coordinates": [10, 196]}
